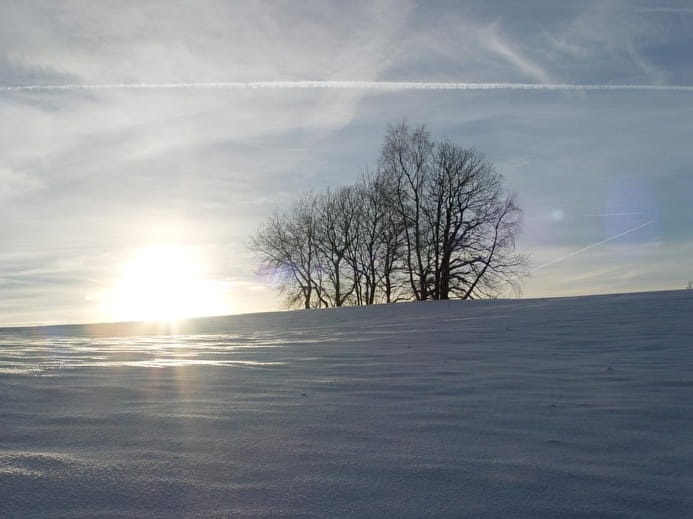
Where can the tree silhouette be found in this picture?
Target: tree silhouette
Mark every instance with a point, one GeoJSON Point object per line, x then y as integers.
{"type": "Point", "coordinates": [432, 222]}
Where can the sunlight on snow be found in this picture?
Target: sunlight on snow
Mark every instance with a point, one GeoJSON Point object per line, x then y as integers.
{"type": "Point", "coordinates": [50, 355]}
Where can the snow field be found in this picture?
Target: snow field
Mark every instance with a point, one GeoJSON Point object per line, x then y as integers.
{"type": "Point", "coordinates": [574, 407]}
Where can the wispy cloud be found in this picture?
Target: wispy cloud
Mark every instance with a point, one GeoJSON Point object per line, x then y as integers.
{"type": "Point", "coordinates": [513, 55]}
{"type": "Point", "coordinates": [664, 9]}
{"type": "Point", "coordinates": [615, 214]}
{"type": "Point", "coordinates": [653, 72]}
{"type": "Point", "coordinates": [620, 40]}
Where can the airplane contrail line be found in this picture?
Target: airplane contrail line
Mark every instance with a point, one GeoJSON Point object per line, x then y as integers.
{"type": "Point", "coordinates": [593, 245]}
{"type": "Point", "coordinates": [347, 85]}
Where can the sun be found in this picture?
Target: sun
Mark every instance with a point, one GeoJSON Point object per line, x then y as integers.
{"type": "Point", "coordinates": [164, 283]}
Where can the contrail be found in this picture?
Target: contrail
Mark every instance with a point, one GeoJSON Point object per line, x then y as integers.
{"type": "Point", "coordinates": [348, 85]}
{"type": "Point", "coordinates": [593, 245]}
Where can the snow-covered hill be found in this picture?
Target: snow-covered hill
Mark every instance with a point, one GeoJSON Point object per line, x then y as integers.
{"type": "Point", "coordinates": [573, 407]}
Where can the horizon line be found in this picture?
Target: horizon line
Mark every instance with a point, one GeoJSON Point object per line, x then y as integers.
{"type": "Point", "coordinates": [351, 85]}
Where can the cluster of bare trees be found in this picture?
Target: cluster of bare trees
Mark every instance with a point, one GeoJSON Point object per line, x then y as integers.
{"type": "Point", "coordinates": [431, 222]}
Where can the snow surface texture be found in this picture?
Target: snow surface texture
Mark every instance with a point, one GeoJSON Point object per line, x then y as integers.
{"type": "Point", "coordinates": [576, 407]}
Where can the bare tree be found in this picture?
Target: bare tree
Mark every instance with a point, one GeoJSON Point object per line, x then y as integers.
{"type": "Point", "coordinates": [361, 254]}
{"type": "Point", "coordinates": [472, 226]}
{"type": "Point", "coordinates": [287, 246]}
{"type": "Point", "coordinates": [490, 262]}
{"type": "Point", "coordinates": [405, 159]}
{"type": "Point", "coordinates": [377, 246]}
{"type": "Point", "coordinates": [335, 237]}
{"type": "Point", "coordinates": [459, 226]}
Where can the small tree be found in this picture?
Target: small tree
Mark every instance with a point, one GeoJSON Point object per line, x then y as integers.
{"type": "Point", "coordinates": [287, 244]}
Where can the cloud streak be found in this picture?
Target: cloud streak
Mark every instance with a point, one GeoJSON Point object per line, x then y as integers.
{"type": "Point", "coordinates": [349, 85]}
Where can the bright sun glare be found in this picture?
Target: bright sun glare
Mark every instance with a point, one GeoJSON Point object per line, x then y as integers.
{"type": "Point", "coordinates": [164, 283]}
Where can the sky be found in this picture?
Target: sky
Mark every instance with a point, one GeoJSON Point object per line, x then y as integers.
{"type": "Point", "coordinates": [142, 143]}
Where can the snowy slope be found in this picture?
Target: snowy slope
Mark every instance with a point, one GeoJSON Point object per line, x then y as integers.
{"type": "Point", "coordinates": [575, 407]}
